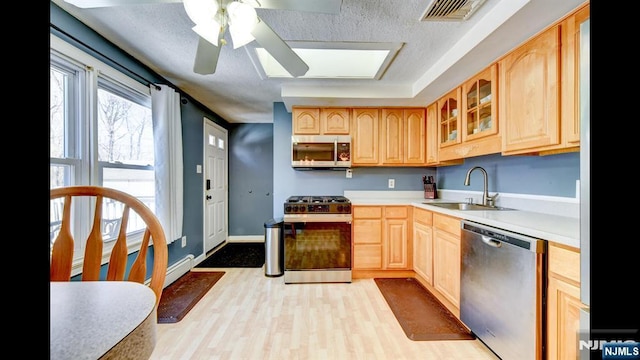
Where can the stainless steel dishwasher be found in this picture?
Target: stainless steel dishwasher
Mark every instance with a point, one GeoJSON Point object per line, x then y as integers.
{"type": "Point", "coordinates": [502, 290]}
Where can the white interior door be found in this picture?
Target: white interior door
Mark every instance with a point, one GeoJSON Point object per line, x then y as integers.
{"type": "Point", "coordinates": [215, 185]}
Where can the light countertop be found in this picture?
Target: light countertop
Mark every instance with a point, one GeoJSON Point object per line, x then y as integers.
{"type": "Point", "coordinates": [551, 227]}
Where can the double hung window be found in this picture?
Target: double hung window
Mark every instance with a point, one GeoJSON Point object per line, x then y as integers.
{"type": "Point", "coordinates": [101, 133]}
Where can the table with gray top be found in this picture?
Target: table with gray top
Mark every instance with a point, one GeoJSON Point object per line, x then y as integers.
{"type": "Point", "coordinates": [102, 319]}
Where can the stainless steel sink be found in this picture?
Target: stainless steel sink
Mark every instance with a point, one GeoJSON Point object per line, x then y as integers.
{"type": "Point", "coordinates": [465, 206]}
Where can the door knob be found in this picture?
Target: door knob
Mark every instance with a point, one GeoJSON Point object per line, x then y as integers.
{"type": "Point", "coordinates": [208, 197]}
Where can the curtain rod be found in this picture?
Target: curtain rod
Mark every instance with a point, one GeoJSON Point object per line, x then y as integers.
{"type": "Point", "coordinates": [108, 58]}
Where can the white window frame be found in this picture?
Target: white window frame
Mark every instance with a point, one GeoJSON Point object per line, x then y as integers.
{"type": "Point", "coordinates": [85, 166]}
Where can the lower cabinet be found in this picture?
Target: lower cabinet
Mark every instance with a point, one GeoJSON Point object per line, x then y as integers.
{"type": "Point", "coordinates": [367, 237]}
{"type": "Point", "coordinates": [423, 244]}
{"type": "Point", "coordinates": [396, 238]}
{"type": "Point", "coordinates": [446, 259]}
{"type": "Point", "coordinates": [563, 302]}
{"type": "Point", "coordinates": [381, 237]}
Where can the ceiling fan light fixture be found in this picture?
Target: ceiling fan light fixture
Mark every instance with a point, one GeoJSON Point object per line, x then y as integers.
{"type": "Point", "coordinates": [242, 20]}
{"type": "Point", "coordinates": [239, 37]}
{"type": "Point", "coordinates": [201, 11]}
{"type": "Point", "coordinates": [209, 31]}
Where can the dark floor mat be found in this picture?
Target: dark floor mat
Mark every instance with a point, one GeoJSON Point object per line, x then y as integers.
{"type": "Point", "coordinates": [234, 255]}
{"type": "Point", "coordinates": [421, 315]}
{"type": "Point", "coordinates": [183, 294]}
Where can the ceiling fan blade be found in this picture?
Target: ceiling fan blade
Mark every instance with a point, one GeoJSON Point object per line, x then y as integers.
{"type": "Point", "coordinates": [321, 6]}
{"type": "Point", "coordinates": [270, 41]}
{"type": "Point", "coordinates": [107, 3]}
{"type": "Point", "coordinates": [206, 57]}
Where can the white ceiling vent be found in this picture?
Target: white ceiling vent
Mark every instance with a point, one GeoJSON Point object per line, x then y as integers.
{"type": "Point", "coordinates": [451, 10]}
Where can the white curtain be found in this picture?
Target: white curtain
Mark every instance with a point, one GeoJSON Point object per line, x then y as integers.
{"type": "Point", "coordinates": [167, 134]}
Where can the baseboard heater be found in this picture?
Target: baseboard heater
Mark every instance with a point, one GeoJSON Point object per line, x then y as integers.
{"type": "Point", "coordinates": [175, 271]}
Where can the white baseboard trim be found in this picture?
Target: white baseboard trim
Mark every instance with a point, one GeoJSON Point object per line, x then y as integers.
{"type": "Point", "coordinates": [246, 238]}
{"type": "Point", "coordinates": [175, 271]}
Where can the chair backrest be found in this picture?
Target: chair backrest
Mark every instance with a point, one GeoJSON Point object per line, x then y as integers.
{"type": "Point", "coordinates": [62, 247]}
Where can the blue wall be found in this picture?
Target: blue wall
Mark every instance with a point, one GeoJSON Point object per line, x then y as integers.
{"type": "Point", "coordinates": [250, 178]}
{"type": "Point", "coordinates": [553, 175]}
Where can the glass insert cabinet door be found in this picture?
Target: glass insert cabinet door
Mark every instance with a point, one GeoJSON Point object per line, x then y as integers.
{"type": "Point", "coordinates": [448, 116]}
{"type": "Point", "coordinates": [479, 101]}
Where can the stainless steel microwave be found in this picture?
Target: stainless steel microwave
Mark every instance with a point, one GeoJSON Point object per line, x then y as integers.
{"type": "Point", "coordinates": [310, 152]}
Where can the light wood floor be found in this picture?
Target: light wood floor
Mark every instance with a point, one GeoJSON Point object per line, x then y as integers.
{"type": "Point", "coordinates": [247, 315]}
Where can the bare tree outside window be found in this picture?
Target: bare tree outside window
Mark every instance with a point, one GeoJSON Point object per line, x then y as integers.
{"type": "Point", "coordinates": [123, 132]}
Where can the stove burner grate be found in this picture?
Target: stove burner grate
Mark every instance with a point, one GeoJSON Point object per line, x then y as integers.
{"type": "Point", "coordinates": [317, 204]}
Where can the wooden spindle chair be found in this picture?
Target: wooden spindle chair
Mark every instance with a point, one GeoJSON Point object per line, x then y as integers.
{"type": "Point", "coordinates": [62, 249]}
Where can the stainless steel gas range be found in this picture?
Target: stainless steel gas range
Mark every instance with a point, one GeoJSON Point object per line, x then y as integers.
{"type": "Point", "coordinates": [317, 239]}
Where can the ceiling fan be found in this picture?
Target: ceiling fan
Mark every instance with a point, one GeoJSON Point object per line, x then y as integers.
{"type": "Point", "coordinates": [213, 17]}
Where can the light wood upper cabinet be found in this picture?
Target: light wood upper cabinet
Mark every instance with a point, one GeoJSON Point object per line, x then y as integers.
{"type": "Point", "coordinates": [388, 136]}
{"type": "Point", "coordinates": [415, 136]}
{"type": "Point", "coordinates": [479, 130]}
{"type": "Point", "coordinates": [432, 154]}
{"type": "Point", "coordinates": [530, 94]}
{"type": "Point", "coordinates": [570, 85]}
{"type": "Point", "coordinates": [449, 114]}
{"type": "Point", "coordinates": [365, 123]}
{"type": "Point", "coordinates": [403, 136]}
{"type": "Point", "coordinates": [306, 121]}
{"type": "Point", "coordinates": [479, 103]}
{"type": "Point", "coordinates": [320, 121]}
{"type": "Point", "coordinates": [391, 136]}
{"type": "Point", "coordinates": [432, 145]}
{"type": "Point", "coordinates": [334, 121]}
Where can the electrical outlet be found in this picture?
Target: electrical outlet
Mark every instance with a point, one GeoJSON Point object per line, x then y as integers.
{"type": "Point", "coordinates": [184, 241]}
{"type": "Point", "coordinates": [349, 174]}
{"type": "Point", "coordinates": [392, 183]}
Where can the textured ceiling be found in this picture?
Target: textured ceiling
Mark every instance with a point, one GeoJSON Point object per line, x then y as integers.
{"type": "Point", "coordinates": [436, 56]}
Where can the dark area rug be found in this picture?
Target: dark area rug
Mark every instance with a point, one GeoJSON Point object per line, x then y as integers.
{"type": "Point", "coordinates": [183, 294]}
{"type": "Point", "coordinates": [243, 254]}
{"type": "Point", "coordinates": [421, 315]}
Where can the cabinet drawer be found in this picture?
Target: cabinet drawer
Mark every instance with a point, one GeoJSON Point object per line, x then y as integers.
{"type": "Point", "coordinates": [397, 212]}
{"type": "Point", "coordinates": [565, 262]}
{"type": "Point", "coordinates": [367, 212]}
{"type": "Point", "coordinates": [423, 216]}
{"type": "Point", "coordinates": [367, 231]}
{"type": "Point", "coordinates": [447, 223]}
{"type": "Point", "coordinates": [367, 257]}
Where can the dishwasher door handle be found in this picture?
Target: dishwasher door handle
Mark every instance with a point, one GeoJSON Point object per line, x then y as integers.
{"type": "Point", "coordinates": [491, 241]}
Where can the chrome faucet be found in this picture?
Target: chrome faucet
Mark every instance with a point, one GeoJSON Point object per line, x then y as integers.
{"type": "Point", "coordinates": [486, 199]}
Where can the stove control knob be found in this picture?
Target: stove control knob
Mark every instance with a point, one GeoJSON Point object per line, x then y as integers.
{"type": "Point", "coordinates": [339, 208]}
{"type": "Point", "coordinates": [347, 209]}
{"type": "Point", "coordinates": [287, 208]}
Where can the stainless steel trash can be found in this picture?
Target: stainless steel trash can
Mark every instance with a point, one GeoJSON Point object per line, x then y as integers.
{"type": "Point", "coordinates": [274, 247]}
